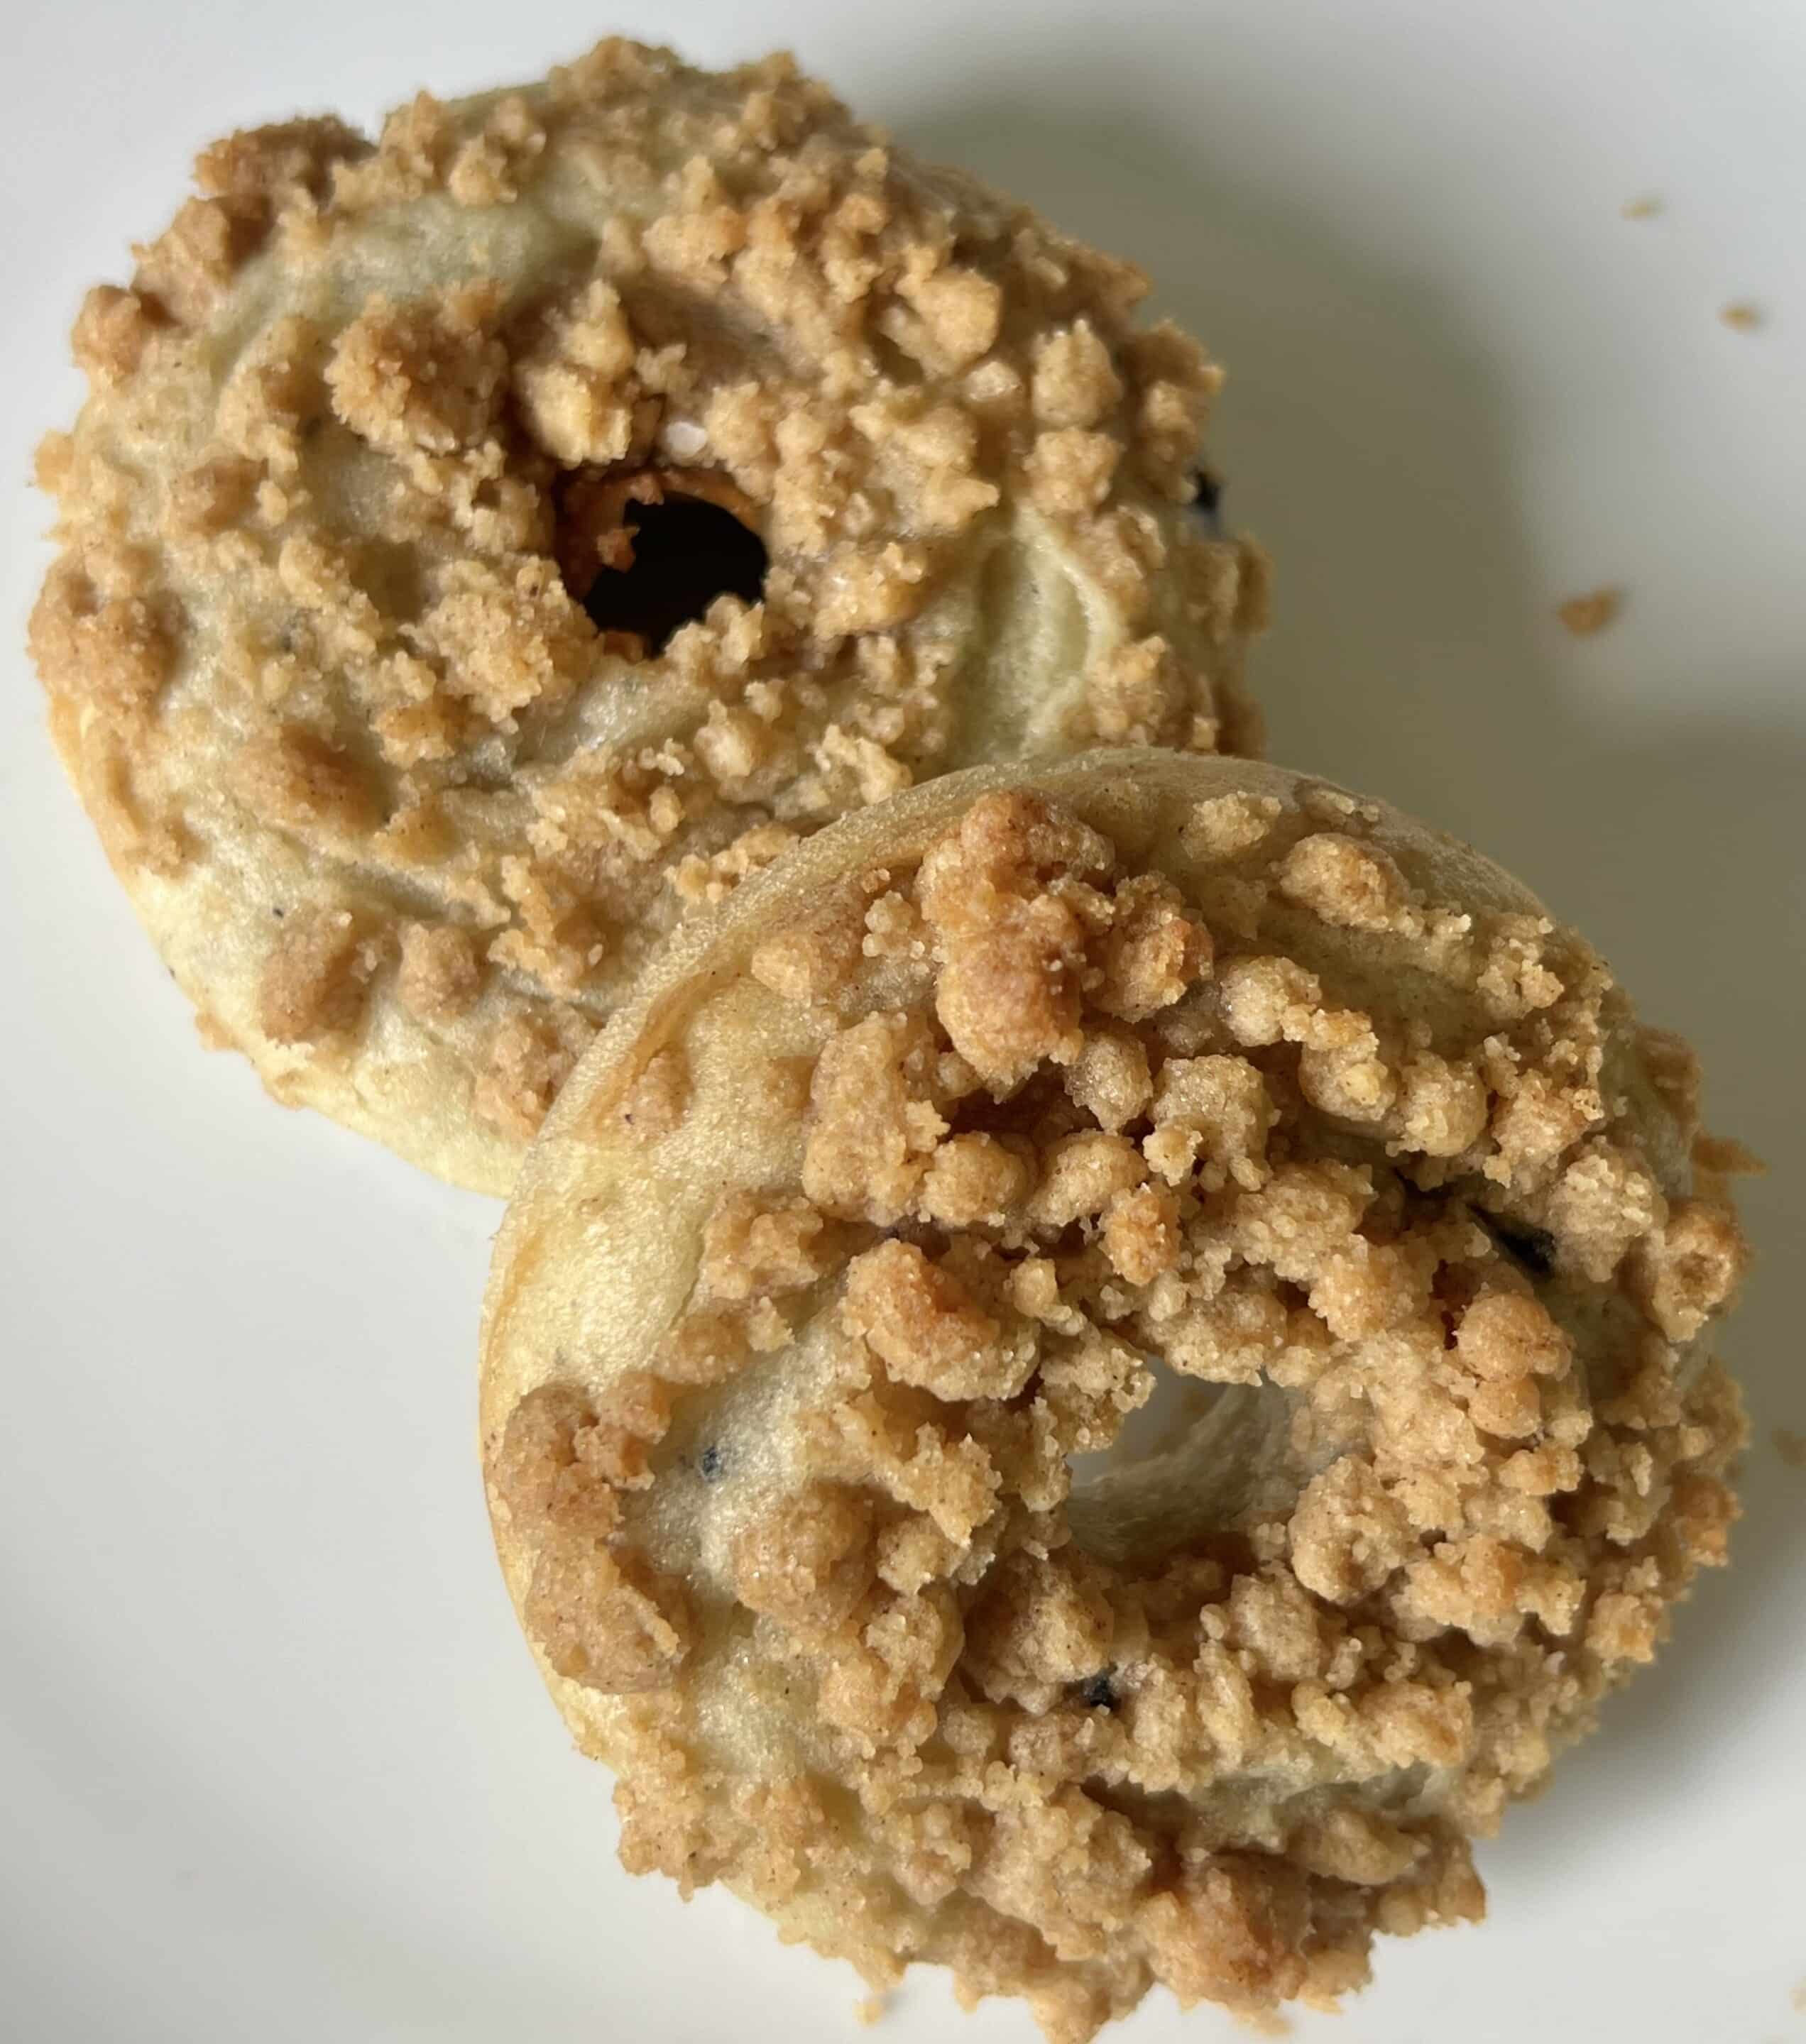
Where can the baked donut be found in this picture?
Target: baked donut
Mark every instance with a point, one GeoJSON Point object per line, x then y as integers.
{"type": "Point", "coordinates": [479, 546]}
{"type": "Point", "coordinates": [820, 1318]}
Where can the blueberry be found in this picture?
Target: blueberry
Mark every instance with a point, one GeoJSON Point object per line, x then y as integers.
{"type": "Point", "coordinates": [1097, 1692]}
{"type": "Point", "coordinates": [1532, 1248]}
{"type": "Point", "coordinates": [711, 1464]}
{"type": "Point", "coordinates": [1208, 500]}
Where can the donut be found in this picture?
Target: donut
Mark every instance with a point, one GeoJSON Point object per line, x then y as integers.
{"type": "Point", "coordinates": [1098, 1371]}
{"type": "Point", "coordinates": [481, 547]}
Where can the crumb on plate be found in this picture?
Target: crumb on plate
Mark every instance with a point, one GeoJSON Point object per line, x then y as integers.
{"type": "Point", "coordinates": [1584, 615]}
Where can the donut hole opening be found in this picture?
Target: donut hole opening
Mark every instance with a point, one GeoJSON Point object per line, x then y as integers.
{"type": "Point", "coordinates": [648, 552]}
{"type": "Point", "coordinates": [1185, 1463]}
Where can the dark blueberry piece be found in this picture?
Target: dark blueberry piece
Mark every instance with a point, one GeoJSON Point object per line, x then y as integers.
{"type": "Point", "coordinates": [1097, 1692]}
{"type": "Point", "coordinates": [686, 553]}
{"type": "Point", "coordinates": [279, 913]}
{"type": "Point", "coordinates": [1208, 501]}
{"type": "Point", "coordinates": [1532, 1248]}
{"type": "Point", "coordinates": [711, 1464]}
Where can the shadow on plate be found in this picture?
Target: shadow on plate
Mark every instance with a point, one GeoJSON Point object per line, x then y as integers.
{"type": "Point", "coordinates": [1368, 444]}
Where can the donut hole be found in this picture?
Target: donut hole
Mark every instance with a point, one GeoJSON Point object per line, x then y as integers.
{"type": "Point", "coordinates": [1174, 1407]}
{"type": "Point", "coordinates": [1184, 1465]}
{"type": "Point", "coordinates": [648, 552]}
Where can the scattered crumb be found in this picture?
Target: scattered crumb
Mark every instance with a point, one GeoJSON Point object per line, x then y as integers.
{"type": "Point", "coordinates": [1725, 1155]}
{"type": "Point", "coordinates": [1585, 615]}
{"type": "Point", "coordinates": [1792, 1449]}
{"type": "Point", "coordinates": [1800, 1997]}
{"type": "Point", "coordinates": [1645, 208]}
{"type": "Point", "coordinates": [1264, 2023]}
{"type": "Point", "coordinates": [874, 2008]}
{"type": "Point", "coordinates": [1741, 315]}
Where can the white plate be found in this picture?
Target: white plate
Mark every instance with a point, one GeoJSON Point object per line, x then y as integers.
{"type": "Point", "coordinates": [273, 1760]}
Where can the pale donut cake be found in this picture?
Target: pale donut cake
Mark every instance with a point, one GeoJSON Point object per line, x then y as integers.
{"type": "Point", "coordinates": [906, 1179]}
{"type": "Point", "coordinates": [482, 546]}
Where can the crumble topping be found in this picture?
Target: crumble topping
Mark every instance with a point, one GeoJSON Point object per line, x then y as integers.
{"type": "Point", "coordinates": [379, 440]}
{"type": "Point", "coordinates": [1240, 1101]}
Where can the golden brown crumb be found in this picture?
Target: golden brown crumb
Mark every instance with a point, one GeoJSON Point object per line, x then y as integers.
{"type": "Point", "coordinates": [1728, 1157]}
{"type": "Point", "coordinates": [110, 649]}
{"type": "Point", "coordinates": [1159, 1067]}
{"type": "Point", "coordinates": [1647, 206]}
{"type": "Point", "coordinates": [655, 1104]}
{"type": "Point", "coordinates": [1264, 2023]}
{"type": "Point", "coordinates": [606, 1618]}
{"type": "Point", "coordinates": [1790, 1446]}
{"type": "Point", "coordinates": [293, 776]}
{"type": "Point", "coordinates": [1226, 824]}
{"type": "Point", "coordinates": [751, 1249]}
{"type": "Point", "coordinates": [808, 1564]}
{"type": "Point", "coordinates": [112, 330]}
{"type": "Point", "coordinates": [530, 1059]}
{"type": "Point", "coordinates": [1741, 316]}
{"type": "Point", "coordinates": [877, 1123]}
{"type": "Point", "coordinates": [1584, 615]}
{"type": "Point", "coordinates": [315, 977]}
{"type": "Point", "coordinates": [442, 972]}
{"type": "Point", "coordinates": [927, 1330]}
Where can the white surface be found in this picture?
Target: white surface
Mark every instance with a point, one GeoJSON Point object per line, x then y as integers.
{"type": "Point", "coordinates": [273, 1762]}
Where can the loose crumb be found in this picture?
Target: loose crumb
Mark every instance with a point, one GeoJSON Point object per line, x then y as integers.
{"type": "Point", "coordinates": [1266, 2024]}
{"type": "Point", "coordinates": [1792, 1449]}
{"type": "Point", "coordinates": [1585, 615]}
{"type": "Point", "coordinates": [1646, 207]}
{"type": "Point", "coordinates": [874, 2008]}
{"type": "Point", "coordinates": [1741, 316]}
{"type": "Point", "coordinates": [1728, 1156]}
